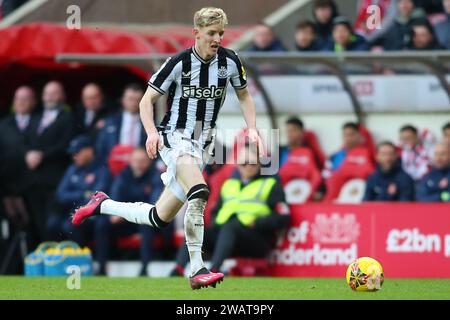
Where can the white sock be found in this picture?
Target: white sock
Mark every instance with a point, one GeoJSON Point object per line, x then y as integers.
{"type": "Point", "coordinates": [136, 212]}
{"type": "Point", "coordinates": [194, 228]}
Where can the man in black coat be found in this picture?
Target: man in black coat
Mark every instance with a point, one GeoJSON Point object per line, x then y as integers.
{"type": "Point", "coordinates": [14, 144]}
{"type": "Point", "coordinates": [14, 141]}
{"type": "Point", "coordinates": [47, 159]}
{"type": "Point", "coordinates": [89, 116]}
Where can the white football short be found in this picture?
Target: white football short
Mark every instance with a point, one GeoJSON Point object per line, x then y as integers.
{"type": "Point", "coordinates": [175, 144]}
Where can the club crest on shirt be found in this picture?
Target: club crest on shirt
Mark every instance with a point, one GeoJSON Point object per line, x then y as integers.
{"type": "Point", "coordinates": [222, 72]}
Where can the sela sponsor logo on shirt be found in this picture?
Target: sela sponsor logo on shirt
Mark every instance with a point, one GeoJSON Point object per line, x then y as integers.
{"type": "Point", "coordinates": [212, 92]}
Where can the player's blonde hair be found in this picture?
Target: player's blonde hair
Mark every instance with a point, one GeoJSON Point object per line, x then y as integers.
{"type": "Point", "coordinates": [209, 16]}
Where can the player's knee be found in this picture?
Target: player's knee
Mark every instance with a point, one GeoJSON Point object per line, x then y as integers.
{"type": "Point", "coordinates": [199, 191]}
{"type": "Point", "coordinates": [155, 220]}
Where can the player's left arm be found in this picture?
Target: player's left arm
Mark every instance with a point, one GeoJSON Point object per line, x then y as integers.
{"type": "Point", "coordinates": [247, 107]}
{"type": "Point", "coordinates": [249, 112]}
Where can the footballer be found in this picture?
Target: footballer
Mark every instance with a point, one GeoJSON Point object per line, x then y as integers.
{"type": "Point", "coordinates": [195, 82]}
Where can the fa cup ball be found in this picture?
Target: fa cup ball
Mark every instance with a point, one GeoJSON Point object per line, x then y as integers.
{"type": "Point", "coordinates": [365, 274]}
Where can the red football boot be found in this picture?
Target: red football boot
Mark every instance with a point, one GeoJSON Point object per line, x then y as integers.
{"type": "Point", "coordinates": [204, 278]}
{"type": "Point", "coordinates": [90, 209]}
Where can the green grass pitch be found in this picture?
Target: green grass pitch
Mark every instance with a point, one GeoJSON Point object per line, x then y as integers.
{"type": "Point", "coordinates": [231, 288]}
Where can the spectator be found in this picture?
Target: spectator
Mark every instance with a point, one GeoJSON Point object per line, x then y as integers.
{"type": "Point", "coordinates": [443, 27]}
{"type": "Point", "coordinates": [139, 182]}
{"type": "Point", "coordinates": [46, 158]}
{"type": "Point", "coordinates": [80, 180]}
{"type": "Point", "coordinates": [14, 136]}
{"type": "Point", "coordinates": [435, 186]}
{"type": "Point", "coordinates": [265, 40]}
{"type": "Point", "coordinates": [241, 227]}
{"type": "Point", "coordinates": [14, 174]}
{"type": "Point", "coordinates": [305, 37]}
{"type": "Point", "coordinates": [423, 37]}
{"type": "Point", "coordinates": [324, 11]}
{"type": "Point", "coordinates": [389, 182]}
{"type": "Point", "coordinates": [446, 133]}
{"type": "Point", "coordinates": [296, 137]}
{"type": "Point", "coordinates": [415, 157]}
{"type": "Point", "coordinates": [90, 115]}
{"type": "Point", "coordinates": [397, 36]}
{"type": "Point", "coordinates": [125, 127]}
{"type": "Point", "coordinates": [351, 139]}
{"type": "Point", "coordinates": [344, 38]}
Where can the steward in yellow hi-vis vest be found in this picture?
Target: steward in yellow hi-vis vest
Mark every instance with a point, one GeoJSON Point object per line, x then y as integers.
{"type": "Point", "coordinates": [250, 212]}
{"type": "Point", "coordinates": [248, 202]}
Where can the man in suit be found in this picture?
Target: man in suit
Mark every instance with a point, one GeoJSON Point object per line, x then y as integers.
{"type": "Point", "coordinates": [47, 158]}
{"type": "Point", "coordinates": [90, 115]}
{"type": "Point", "coordinates": [14, 132]}
{"type": "Point", "coordinates": [14, 145]}
{"type": "Point", "coordinates": [125, 127]}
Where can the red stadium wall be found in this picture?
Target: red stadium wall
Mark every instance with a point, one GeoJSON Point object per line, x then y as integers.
{"type": "Point", "coordinates": [409, 240]}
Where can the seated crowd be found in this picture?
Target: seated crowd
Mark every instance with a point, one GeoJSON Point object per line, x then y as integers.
{"type": "Point", "coordinates": [53, 157]}
{"type": "Point", "coordinates": [401, 25]}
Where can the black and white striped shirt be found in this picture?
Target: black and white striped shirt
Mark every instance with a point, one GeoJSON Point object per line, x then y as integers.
{"type": "Point", "coordinates": [196, 90]}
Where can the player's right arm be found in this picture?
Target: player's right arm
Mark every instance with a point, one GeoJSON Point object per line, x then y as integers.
{"type": "Point", "coordinates": [157, 86]}
{"type": "Point", "coordinates": [153, 143]}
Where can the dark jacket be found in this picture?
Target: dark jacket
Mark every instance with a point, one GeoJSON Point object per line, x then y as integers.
{"type": "Point", "coordinates": [14, 144]}
{"type": "Point", "coordinates": [394, 185]}
{"type": "Point", "coordinates": [109, 136]}
{"type": "Point", "coordinates": [97, 123]}
{"type": "Point", "coordinates": [146, 188]}
{"type": "Point", "coordinates": [53, 142]}
{"type": "Point", "coordinates": [276, 201]}
{"type": "Point", "coordinates": [78, 182]}
{"type": "Point", "coordinates": [433, 184]}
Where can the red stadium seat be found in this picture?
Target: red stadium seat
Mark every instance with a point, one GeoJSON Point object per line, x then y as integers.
{"type": "Point", "coordinates": [249, 267]}
{"type": "Point", "coordinates": [134, 241]}
{"type": "Point", "coordinates": [352, 191]}
{"type": "Point", "coordinates": [299, 171]}
{"type": "Point", "coordinates": [119, 158]}
{"type": "Point", "coordinates": [357, 165]}
{"type": "Point", "coordinates": [130, 242]}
